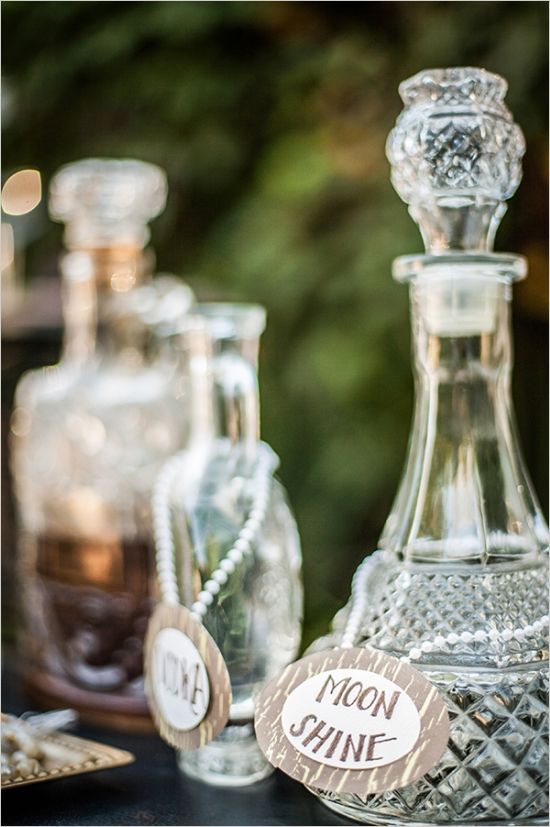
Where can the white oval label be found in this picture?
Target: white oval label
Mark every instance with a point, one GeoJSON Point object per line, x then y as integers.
{"type": "Point", "coordinates": [351, 719]}
{"type": "Point", "coordinates": [179, 679]}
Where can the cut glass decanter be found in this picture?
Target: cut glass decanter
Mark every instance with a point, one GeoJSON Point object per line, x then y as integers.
{"type": "Point", "coordinates": [459, 586]}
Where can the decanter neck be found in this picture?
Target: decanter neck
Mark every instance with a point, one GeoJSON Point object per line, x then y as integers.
{"type": "Point", "coordinates": [227, 336]}
{"type": "Point", "coordinates": [199, 398]}
{"type": "Point", "coordinates": [465, 496]}
{"type": "Point", "coordinates": [104, 312]}
{"type": "Point", "coordinates": [79, 294]}
{"type": "Point", "coordinates": [236, 392]}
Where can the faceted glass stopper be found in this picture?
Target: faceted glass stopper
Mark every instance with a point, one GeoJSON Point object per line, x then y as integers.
{"type": "Point", "coordinates": [456, 156]}
{"type": "Point", "coordinates": [105, 202]}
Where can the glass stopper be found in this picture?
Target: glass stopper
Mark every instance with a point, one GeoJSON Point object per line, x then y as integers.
{"type": "Point", "coordinates": [456, 156]}
{"type": "Point", "coordinates": [105, 201]}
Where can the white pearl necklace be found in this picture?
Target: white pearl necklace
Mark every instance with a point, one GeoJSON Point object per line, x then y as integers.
{"type": "Point", "coordinates": [439, 642]}
{"type": "Point", "coordinates": [241, 548]}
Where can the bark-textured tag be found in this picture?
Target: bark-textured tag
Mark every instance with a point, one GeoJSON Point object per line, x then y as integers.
{"type": "Point", "coordinates": [186, 679]}
{"type": "Point", "coordinates": [352, 720]}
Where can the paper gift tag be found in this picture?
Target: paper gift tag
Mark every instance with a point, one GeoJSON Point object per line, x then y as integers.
{"type": "Point", "coordinates": [352, 720]}
{"type": "Point", "coordinates": [186, 680]}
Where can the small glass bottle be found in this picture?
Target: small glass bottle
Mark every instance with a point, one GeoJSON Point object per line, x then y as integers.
{"type": "Point", "coordinates": [88, 437]}
{"type": "Point", "coordinates": [227, 513]}
{"type": "Point", "coordinates": [460, 585]}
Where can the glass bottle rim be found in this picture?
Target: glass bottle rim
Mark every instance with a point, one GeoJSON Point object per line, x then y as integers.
{"type": "Point", "coordinates": [232, 320]}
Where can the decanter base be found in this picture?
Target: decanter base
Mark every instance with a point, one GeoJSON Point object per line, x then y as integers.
{"type": "Point", "coordinates": [233, 759]}
{"type": "Point", "coordinates": [365, 817]}
{"type": "Point", "coordinates": [104, 709]}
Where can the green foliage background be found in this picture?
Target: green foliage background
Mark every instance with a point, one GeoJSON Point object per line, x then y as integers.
{"type": "Point", "coordinates": [270, 120]}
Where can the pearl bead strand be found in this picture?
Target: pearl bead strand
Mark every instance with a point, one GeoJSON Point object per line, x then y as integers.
{"type": "Point", "coordinates": [520, 633]}
{"type": "Point", "coordinates": [241, 548]}
{"type": "Point", "coordinates": [439, 642]}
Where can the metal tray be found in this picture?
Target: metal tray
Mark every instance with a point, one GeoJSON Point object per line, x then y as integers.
{"type": "Point", "coordinates": [66, 755]}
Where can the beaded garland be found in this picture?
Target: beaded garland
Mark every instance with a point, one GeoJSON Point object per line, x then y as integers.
{"type": "Point", "coordinates": [241, 548]}
{"type": "Point", "coordinates": [439, 642]}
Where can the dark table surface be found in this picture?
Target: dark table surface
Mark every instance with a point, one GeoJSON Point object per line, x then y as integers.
{"type": "Point", "coordinates": [151, 791]}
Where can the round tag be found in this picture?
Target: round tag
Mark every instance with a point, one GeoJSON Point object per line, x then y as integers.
{"type": "Point", "coordinates": [352, 720]}
{"type": "Point", "coordinates": [186, 680]}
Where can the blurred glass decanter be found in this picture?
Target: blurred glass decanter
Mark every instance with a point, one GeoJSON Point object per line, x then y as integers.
{"type": "Point", "coordinates": [227, 543]}
{"type": "Point", "coordinates": [88, 438]}
{"type": "Point", "coordinates": [459, 586]}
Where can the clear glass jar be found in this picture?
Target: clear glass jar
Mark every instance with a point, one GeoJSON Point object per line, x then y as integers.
{"type": "Point", "coordinates": [255, 616]}
{"type": "Point", "coordinates": [88, 437]}
{"type": "Point", "coordinates": [460, 585]}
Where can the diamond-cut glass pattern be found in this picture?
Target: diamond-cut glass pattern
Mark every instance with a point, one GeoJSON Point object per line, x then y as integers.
{"type": "Point", "coordinates": [455, 135]}
{"type": "Point", "coordinates": [494, 768]}
{"type": "Point", "coordinates": [413, 606]}
{"type": "Point", "coordinates": [454, 86]}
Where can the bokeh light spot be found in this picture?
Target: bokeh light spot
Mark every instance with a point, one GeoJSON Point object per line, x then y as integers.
{"type": "Point", "coordinates": [22, 192]}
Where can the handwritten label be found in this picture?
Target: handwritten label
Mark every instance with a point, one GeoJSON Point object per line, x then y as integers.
{"type": "Point", "coordinates": [180, 679]}
{"type": "Point", "coordinates": [352, 720]}
{"type": "Point", "coordinates": [186, 679]}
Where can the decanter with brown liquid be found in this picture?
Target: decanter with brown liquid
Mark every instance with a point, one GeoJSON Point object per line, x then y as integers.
{"type": "Point", "coordinates": [88, 438]}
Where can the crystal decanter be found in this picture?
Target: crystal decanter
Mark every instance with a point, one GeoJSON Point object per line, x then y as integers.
{"type": "Point", "coordinates": [227, 543]}
{"type": "Point", "coordinates": [459, 587]}
{"type": "Point", "coordinates": [88, 438]}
